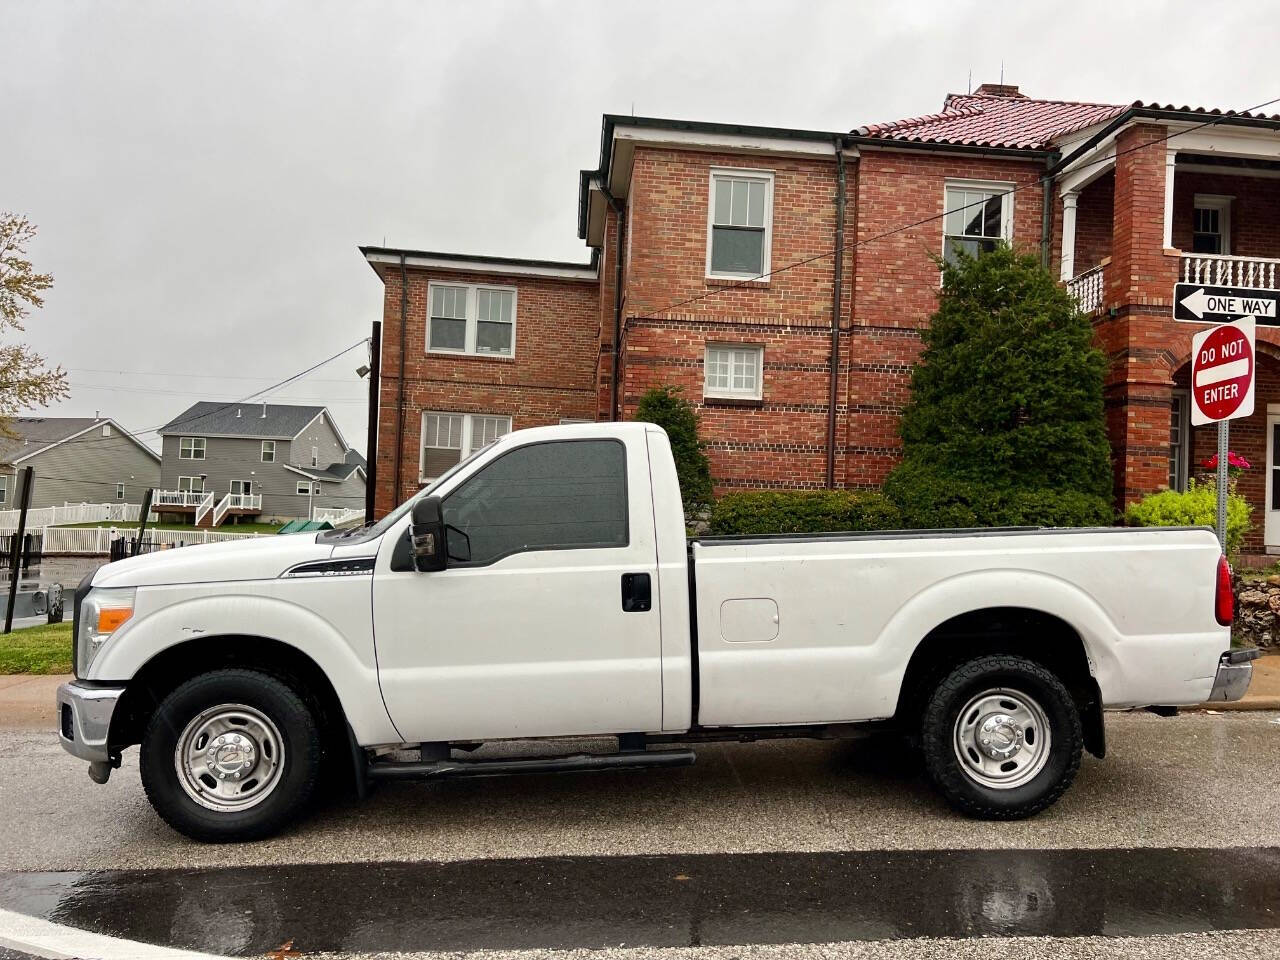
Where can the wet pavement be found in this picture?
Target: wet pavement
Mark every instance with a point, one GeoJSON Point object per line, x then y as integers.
{"type": "Point", "coordinates": [667, 901]}
{"type": "Point", "coordinates": [770, 846]}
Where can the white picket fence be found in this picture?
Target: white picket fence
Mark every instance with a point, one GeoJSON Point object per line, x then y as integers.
{"type": "Point", "coordinates": [337, 515]}
{"type": "Point", "coordinates": [75, 513]}
{"type": "Point", "coordinates": [94, 540]}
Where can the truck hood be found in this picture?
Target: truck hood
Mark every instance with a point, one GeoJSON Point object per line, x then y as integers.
{"type": "Point", "coordinates": [253, 558]}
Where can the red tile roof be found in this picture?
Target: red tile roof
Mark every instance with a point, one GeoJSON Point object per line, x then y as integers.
{"type": "Point", "coordinates": [981, 120]}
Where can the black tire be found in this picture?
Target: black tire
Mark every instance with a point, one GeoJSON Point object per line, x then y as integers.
{"type": "Point", "coordinates": [294, 783]}
{"type": "Point", "coordinates": [942, 739]}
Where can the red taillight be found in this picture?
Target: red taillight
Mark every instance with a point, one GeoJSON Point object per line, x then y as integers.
{"type": "Point", "coordinates": [1224, 602]}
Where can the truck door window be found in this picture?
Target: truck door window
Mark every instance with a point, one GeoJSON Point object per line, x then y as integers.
{"type": "Point", "coordinates": [560, 495]}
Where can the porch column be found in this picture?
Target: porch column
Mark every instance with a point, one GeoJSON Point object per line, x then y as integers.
{"type": "Point", "coordinates": [1069, 234]}
{"type": "Point", "coordinates": [1170, 158]}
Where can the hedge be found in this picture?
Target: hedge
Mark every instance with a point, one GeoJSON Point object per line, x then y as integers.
{"type": "Point", "coordinates": [1197, 506]}
{"type": "Point", "coordinates": [803, 511]}
{"type": "Point", "coordinates": [929, 500]}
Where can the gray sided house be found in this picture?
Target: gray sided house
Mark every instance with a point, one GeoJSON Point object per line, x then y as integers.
{"type": "Point", "coordinates": [75, 460]}
{"type": "Point", "coordinates": [262, 462]}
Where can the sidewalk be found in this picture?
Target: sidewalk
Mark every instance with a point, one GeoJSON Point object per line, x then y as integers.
{"type": "Point", "coordinates": [26, 701]}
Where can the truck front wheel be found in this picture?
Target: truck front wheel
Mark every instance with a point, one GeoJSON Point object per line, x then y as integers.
{"type": "Point", "coordinates": [230, 755]}
{"type": "Point", "coordinates": [1001, 738]}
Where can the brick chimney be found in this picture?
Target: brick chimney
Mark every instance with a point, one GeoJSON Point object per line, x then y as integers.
{"type": "Point", "coordinates": [999, 90]}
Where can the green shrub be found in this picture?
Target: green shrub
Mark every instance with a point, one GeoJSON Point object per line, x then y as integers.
{"type": "Point", "coordinates": [1198, 506]}
{"type": "Point", "coordinates": [803, 511]}
{"type": "Point", "coordinates": [927, 499]}
{"type": "Point", "coordinates": [1005, 424]}
{"type": "Point", "coordinates": [667, 407]}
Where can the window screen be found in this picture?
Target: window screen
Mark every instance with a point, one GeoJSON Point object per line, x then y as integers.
{"type": "Point", "coordinates": [550, 496]}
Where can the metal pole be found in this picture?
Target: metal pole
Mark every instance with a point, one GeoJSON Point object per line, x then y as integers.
{"type": "Point", "coordinates": [1222, 484]}
{"type": "Point", "coordinates": [15, 558]}
{"type": "Point", "coordinates": [371, 445]}
{"type": "Point", "coordinates": [142, 516]}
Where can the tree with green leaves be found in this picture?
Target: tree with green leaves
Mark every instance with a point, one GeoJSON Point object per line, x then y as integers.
{"type": "Point", "coordinates": [1005, 422]}
{"type": "Point", "coordinates": [25, 382]}
{"type": "Point", "coordinates": [668, 408]}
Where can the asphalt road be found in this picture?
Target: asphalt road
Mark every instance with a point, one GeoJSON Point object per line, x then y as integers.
{"type": "Point", "coordinates": [1171, 845]}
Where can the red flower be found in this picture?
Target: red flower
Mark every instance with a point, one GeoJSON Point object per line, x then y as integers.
{"type": "Point", "coordinates": [1233, 460]}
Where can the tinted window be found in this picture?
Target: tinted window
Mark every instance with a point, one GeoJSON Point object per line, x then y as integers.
{"type": "Point", "coordinates": [547, 496]}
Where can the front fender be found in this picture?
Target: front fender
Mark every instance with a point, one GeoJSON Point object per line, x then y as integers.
{"type": "Point", "coordinates": [341, 644]}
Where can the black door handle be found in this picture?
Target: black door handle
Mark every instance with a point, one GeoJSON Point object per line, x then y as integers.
{"type": "Point", "coordinates": [637, 593]}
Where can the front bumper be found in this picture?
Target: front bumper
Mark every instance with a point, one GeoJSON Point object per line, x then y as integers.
{"type": "Point", "coordinates": [1235, 670]}
{"type": "Point", "coordinates": [84, 719]}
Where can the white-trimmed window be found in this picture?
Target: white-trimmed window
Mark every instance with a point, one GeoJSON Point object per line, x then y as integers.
{"type": "Point", "coordinates": [978, 216]}
{"type": "Point", "coordinates": [268, 454]}
{"type": "Point", "coordinates": [303, 488]}
{"type": "Point", "coordinates": [4, 489]}
{"type": "Point", "coordinates": [315, 456]}
{"type": "Point", "coordinates": [471, 318]}
{"type": "Point", "coordinates": [119, 491]}
{"type": "Point", "coordinates": [191, 448]}
{"type": "Point", "coordinates": [733, 371]}
{"type": "Point", "coordinates": [1211, 226]}
{"type": "Point", "coordinates": [448, 437]}
{"type": "Point", "coordinates": [191, 484]}
{"type": "Point", "coordinates": [739, 223]}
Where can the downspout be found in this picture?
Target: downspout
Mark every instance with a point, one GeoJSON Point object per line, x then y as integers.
{"type": "Point", "coordinates": [1046, 212]}
{"type": "Point", "coordinates": [836, 291]}
{"type": "Point", "coordinates": [404, 319]}
{"type": "Point", "coordinates": [620, 212]}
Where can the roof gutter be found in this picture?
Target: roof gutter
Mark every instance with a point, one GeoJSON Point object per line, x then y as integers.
{"type": "Point", "coordinates": [620, 215]}
{"type": "Point", "coordinates": [836, 291]}
{"type": "Point", "coordinates": [404, 319]}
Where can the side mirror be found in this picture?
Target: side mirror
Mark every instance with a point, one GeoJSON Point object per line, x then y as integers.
{"type": "Point", "coordinates": [426, 533]}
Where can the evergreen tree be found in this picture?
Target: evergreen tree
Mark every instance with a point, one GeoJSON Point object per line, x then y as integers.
{"type": "Point", "coordinates": [668, 408]}
{"type": "Point", "coordinates": [1006, 403]}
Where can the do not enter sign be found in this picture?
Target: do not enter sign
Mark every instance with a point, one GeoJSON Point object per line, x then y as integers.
{"type": "Point", "coordinates": [1222, 367]}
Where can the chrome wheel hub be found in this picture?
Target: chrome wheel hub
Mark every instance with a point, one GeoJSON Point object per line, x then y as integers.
{"type": "Point", "coordinates": [1001, 738]}
{"type": "Point", "coordinates": [229, 757]}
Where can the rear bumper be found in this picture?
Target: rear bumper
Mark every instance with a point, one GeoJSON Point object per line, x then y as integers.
{"type": "Point", "coordinates": [1235, 670]}
{"type": "Point", "coordinates": [84, 719]}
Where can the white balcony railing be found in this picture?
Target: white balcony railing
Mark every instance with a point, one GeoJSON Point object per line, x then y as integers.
{"type": "Point", "coordinates": [1087, 289]}
{"type": "Point", "coordinates": [203, 507]}
{"type": "Point", "coordinates": [178, 498]}
{"type": "Point", "coordinates": [1227, 271]}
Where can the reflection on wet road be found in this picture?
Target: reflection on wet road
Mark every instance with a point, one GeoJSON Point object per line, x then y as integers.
{"type": "Point", "coordinates": [680, 900]}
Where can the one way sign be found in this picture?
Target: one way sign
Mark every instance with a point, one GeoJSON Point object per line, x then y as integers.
{"type": "Point", "coordinates": [1201, 303]}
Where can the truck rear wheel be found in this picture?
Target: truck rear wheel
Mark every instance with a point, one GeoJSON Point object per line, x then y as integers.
{"type": "Point", "coordinates": [1001, 737]}
{"type": "Point", "coordinates": [230, 755]}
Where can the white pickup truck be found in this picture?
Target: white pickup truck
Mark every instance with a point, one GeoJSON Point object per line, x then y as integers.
{"type": "Point", "coordinates": [544, 588]}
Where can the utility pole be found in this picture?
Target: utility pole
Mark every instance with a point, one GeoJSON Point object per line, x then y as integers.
{"type": "Point", "coordinates": [15, 549]}
{"type": "Point", "coordinates": [371, 443]}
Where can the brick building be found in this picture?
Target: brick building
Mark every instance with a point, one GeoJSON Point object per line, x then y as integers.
{"type": "Point", "coordinates": [711, 265]}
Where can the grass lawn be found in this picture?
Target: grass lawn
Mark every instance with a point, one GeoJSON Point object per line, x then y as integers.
{"type": "Point", "coordinates": [42, 649]}
{"type": "Point", "coordinates": [130, 529]}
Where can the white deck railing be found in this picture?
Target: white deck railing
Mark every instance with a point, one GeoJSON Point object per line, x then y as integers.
{"type": "Point", "coordinates": [1228, 271]}
{"type": "Point", "coordinates": [203, 507]}
{"type": "Point", "coordinates": [337, 515]}
{"type": "Point", "coordinates": [1087, 289]}
{"type": "Point", "coordinates": [236, 501]}
{"type": "Point", "coordinates": [178, 498]}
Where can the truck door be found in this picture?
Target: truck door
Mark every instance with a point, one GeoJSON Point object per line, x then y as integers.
{"type": "Point", "coordinates": [545, 622]}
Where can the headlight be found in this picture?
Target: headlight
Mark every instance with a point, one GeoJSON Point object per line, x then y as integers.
{"type": "Point", "coordinates": [104, 611]}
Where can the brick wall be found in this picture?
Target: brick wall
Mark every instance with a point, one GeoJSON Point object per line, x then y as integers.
{"type": "Point", "coordinates": [1093, 222]}
{"type": "Point", "coordinates": [550, 376]}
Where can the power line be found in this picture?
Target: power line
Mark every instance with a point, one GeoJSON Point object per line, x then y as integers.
{"type": "Point", "coordinates": [1039, 181]}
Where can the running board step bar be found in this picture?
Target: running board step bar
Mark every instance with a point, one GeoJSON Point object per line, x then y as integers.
{"type": "Point", "coordinates": [576, 763]}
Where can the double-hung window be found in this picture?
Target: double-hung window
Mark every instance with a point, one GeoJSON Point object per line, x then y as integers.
{"type": "Point", "coordinates": [472, 319]}
{"type": "Point", "coordinates": [268, 451]}
{"type": "Point", "coordinates": [978, 216]}
{"type": "Point", "coordinates": [1179, 439]}
{"type": "Point", "coordinates": [733, 372]}
{"type": "Point", "coordinates": [447, 438]}
{"type": "Point", "coordinates": [1211, 227]}
{"type": "Point", "coordinates": [740, 224]}
{"type": "Point", "coordinates": [191, 448]}
{"type": "Point", "coordinates": [4, 489]}
{"type": "Point", "coordinates": [191, 484]}
{"type": "Point", "coordinates": [119, 491]}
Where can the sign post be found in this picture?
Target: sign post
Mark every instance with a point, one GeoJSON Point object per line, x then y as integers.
{"type": "Point", "coordinates": [1222, 388]}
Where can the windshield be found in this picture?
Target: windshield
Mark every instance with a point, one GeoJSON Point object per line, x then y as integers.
{"type": "Point", "coordinates": [387, 522]}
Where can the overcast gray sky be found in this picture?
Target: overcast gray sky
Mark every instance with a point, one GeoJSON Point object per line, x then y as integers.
{"type": "Point", "coordinates": [201, 173]}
